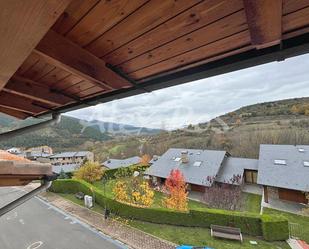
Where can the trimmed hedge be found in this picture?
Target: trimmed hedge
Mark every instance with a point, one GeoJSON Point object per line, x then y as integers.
{"type": "Point", "coordinates": [274, 228]}
{"type": "Point", "coordinates": [250, 224]}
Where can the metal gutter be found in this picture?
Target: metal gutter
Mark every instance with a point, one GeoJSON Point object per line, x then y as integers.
{"type": "Point", "coordinates": [46, 183]}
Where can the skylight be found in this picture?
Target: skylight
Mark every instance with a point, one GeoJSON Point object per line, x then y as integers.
{"type": "Point", "coordinates": [198, 153]}
{"type": "Point", "coordinates": [177, 159]}
{"type": "Point", "coordinates": [280, 162]}
{"type": "Point", "coordinates": [197, 163]}
{"type": "Point", "coordinates": [306, 163]}
{"type": "Point", "coordinates": [301, 149]}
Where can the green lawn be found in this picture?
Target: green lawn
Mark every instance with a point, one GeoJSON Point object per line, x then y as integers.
{"type": "Point", "coordinates": [157, 202]}
{"type": "Point", "coordinates": [303, 222]}
{"type": "Point", "coordinates": [252, 202]}
{"type": "Point", "coordinates": [200, 237]}
{"type": "Point", "coordinates": [71, 197]}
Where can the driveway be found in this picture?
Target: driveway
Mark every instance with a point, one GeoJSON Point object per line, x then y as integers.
{"type": "Point", "coordinates": [37, 225]}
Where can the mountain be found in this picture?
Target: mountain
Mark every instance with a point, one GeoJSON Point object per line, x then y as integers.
{"type": "Point", "coordinates": [240, 132]}
{"type": "Point", "coordinates": [70, 133]}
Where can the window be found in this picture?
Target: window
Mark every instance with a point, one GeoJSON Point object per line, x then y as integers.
{"type": "Point", "coordinates": [177, 159]}
{"type": "Point", "coordinates": [280, 162]}
{"type": "Point", "coordinates": [197, 163]}
{"type": "Point", "coordinates": [306, 163]}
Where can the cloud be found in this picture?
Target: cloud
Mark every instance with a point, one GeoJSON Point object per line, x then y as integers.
{"type": "Point", "coordinates": [201, 100]}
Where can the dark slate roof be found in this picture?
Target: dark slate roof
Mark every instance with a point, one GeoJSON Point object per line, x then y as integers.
{"type": "Point", "coordinates": [233, 166]}
{"type": "Point", "coordinates": [66, 168]}
{"type": "Point", "coordinates": [293, 175]}
{"type": "Point", "coordinates": [70, 154]}
{"type": "Point", "coordinates": [118, 163]}
{"type": "Point", "coordinates": [211, 163]}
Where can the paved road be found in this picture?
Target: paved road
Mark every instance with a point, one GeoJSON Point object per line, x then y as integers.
{"type": "Point", "coordinates": [37, 225]}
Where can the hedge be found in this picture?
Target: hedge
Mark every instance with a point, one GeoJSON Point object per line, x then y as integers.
{"type": "Point", "coordinates": [274, 228]}
{"type": "Point", "coordinates": [250, 224]}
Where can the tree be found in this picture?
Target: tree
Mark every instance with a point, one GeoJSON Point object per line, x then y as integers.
{"type": "Point", "coordinates": [224, 196]}
{"type": "Point", "coordinates": [176, 188]}
{"type": "Point", "coordinates": [145, 159]}
{"type": "Point", "coordinates": [90, 172]}
{"type": "Point", "coordinates": [134, 191]}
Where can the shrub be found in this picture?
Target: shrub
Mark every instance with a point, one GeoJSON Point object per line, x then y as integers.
{"type": "Point", "coordinates": [134, 191]}
{"type": "Point", "coordinates": [274, 228]}
{"type": "Point", "coordinates": [90, 172]}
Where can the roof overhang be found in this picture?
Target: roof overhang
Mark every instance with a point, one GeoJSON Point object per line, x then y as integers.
{"type": "Point", "coordinates": [57, 56]}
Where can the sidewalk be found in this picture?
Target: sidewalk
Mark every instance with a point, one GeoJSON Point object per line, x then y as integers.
{"type": "Point", "coordinates": [132, 237]}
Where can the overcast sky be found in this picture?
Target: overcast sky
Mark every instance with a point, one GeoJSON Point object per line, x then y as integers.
{"type": "Point", "coordinates": [202, 100]}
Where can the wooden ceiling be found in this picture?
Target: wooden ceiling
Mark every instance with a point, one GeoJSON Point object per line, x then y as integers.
{"type": "Point", "coordinates": [56, 55]}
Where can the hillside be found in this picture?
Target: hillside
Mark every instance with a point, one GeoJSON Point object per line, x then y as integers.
{"type": "Point", "coordinates": [240, 132]}
{"type": "Point", "coordinates": [70, 133]}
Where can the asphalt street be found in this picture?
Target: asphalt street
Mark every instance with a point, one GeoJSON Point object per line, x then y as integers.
{"type": "Point", "coordinates": [38, 225]}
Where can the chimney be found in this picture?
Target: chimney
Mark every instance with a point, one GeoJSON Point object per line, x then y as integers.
{"type": "Point", "coordinates": [184, 156]}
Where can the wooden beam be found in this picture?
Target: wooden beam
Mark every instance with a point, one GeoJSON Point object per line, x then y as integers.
{"type": "Point", "coordinates": [22, 26]}
{"type": "Point", "coordinates": [63, 53]}
{"type": "Point", "coordinates": [16, 114]}
{"type": "Point", "coordinates": [264, 21]}
{"type": "Point", "coordinates": [34, 91]}
{"type": "Point", "coordinates": [17, 103]}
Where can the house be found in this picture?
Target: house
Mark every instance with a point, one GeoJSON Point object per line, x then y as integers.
{"type": "Point", "coordinates": [41, 157]}
{"type": "Point", "coordinates": [119, 163]}
{"type": "Point", "coordinates": [41, 149]}
{"type": "Point", "coordinates": [14, 150]}
{"type": "Point", "coordinates": [199, 167]}
{"type": "Point", "coordinates": [65, 158]}
{"type": "Point", "coordinates": [236, 171]}
{"type": "Point", "coordinates": [283, 171]}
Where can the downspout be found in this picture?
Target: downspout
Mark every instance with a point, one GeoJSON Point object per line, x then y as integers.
{"type": "Point", "coordinates": [47, 180]}
{"type": "Point", "coordinates": [21, 131]}
{"type": "Point", "coordinates": [46, 183]}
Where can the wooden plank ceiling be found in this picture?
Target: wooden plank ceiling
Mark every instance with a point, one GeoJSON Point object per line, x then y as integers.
{"type": "Point", "coordinates": [96, 47]}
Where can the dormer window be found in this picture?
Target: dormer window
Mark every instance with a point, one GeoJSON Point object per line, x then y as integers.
{"type": "Point", "coordinates": [197, 163]}
{"type": "Point", "coordinates": [280, 162]}
{"type": "Point", "coordinates": [306, 163]}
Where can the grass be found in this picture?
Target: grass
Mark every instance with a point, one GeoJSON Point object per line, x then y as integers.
{"type": "Point", "coordinates": [72, 198]}
{"type": "Point", "coordinates": [187, 235]}
{"type": "Point", "coordinates": [303, 221]}
{"type": "Point", "coordinates": [157, 201]}
{"type": "Point", "coordinates": [252, 202]}
{"type": "Point", "coordinates": [200, 237]}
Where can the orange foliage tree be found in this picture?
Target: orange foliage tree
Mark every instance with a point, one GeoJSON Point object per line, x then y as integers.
{"type": "Point", "coordinates": [176, 187]}
{"type": "Point", "coordinates": [145, 159]}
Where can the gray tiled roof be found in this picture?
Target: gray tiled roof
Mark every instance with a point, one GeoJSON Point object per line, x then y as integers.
{"type": "Point", "coordinates": [66, 168]}
{"type": "Point", "coordinates": [70, 154]}
{"type": "Point", "coordinates": [233, 166]}
{"type": "Point", "coordinates": [118, 163]}
{"type": "Point", "coordinates": [293, 175]}
{"type": "Point", "coordinates": [211, 162]}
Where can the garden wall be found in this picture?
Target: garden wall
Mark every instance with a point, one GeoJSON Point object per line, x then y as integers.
{"type": "Point", "coordinates": [251, 224]}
